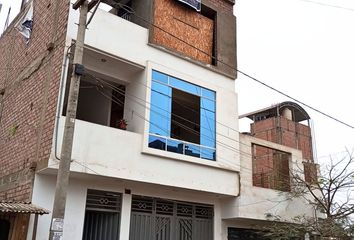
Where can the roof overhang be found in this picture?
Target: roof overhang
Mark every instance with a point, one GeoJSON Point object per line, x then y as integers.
{"type": "Point", "coordinates": [21, 208]}
{"type": "Point", "coordinates": [299, 114]}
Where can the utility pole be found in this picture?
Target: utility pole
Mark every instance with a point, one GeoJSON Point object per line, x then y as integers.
{"type": "Point", "coordinates": [57, 222]}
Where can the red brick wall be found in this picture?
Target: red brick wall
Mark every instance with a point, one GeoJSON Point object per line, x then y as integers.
{"type": "Point", "coordinates": [29, 103]}
{"type": "Point", "coordinates": [270, 168]}
{"type": "Point", "coordinates": [283, 131]}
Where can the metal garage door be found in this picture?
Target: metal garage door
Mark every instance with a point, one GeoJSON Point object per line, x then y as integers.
{"type": "Point", "coordinates": [160, 219]}
{"type": "Point", "coordinates": [102, 215]}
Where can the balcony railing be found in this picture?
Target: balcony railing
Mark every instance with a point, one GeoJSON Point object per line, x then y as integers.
{"type": "Point", "coordinates": [181, 147]}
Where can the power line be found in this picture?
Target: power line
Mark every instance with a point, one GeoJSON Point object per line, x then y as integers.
{"type": "Point", "coordinates": [240, 205]}
{"type": "Point", "coordinates": [175, 101]}
{"type": "Point", "coordinates": [130, 10]}
{"type": "Point", "coordinates": [328, 5]}
{"type": "Point", "coordinates": [149, 103]}
{"type": "Point", "coordinates": [295, 100]}
{"type": "Point", "coordinates": [235, 150]}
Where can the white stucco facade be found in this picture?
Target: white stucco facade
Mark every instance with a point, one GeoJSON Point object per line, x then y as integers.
{"type": "Point", "coordinates": [75, 208]}
{"type": "Point", "coordinates": [110, 159]}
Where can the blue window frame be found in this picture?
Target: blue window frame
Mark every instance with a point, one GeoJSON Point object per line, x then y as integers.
{"type": "Point", "coordinates": [182, 117]}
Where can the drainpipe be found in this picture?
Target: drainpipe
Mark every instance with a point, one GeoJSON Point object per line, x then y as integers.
{"type": "Point", "coordinates": [60, 99]}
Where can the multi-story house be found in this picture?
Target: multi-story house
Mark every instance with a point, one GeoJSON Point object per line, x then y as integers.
{"type": "Point", "coordinates": [179, 169]}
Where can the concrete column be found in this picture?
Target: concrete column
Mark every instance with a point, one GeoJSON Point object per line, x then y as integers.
{"type": "Point", "coordinates": [125, 216]}
{"type": "Point", "coordinates": [218, 224]}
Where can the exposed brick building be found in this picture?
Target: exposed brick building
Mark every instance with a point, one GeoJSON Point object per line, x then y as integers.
{"type": "Point", "coordinates": [287, 124]}
{"type": "Point", "coordinates": [168, 71]}
{"type": "Point", "coordinates": [29, 82]}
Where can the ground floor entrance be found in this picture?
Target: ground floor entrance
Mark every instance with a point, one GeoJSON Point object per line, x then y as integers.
{"type": "Point", "coordinates": [163, 219]}
{"type": "Point", "coordinates": [151, 218]}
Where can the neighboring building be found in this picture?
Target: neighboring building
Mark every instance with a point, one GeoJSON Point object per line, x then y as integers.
{"type": "Point", "coordinates": [279, 145]}
{"type": "Point", "coordinates": [174, 173]}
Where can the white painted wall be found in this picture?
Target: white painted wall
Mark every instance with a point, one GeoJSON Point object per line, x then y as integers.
{"type": "Point", "coordinates": [105, 151]}
{"type": "Point", "coordinates": [125, 154]}
{"type": "Point", "coordinates": [135, 102]}
{"type": "Point", "coordinates": [44, 187]}
{"type": "Point", "coordinates": [118, 37]}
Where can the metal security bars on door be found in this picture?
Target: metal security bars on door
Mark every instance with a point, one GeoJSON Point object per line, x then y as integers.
{"type": "Point", "coordinates": [160, 219]}
{"type": "Point", "coordinates": [102, 217]}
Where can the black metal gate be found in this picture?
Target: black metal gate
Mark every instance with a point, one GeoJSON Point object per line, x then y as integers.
{"type": "Point", "coordinates": [160, 219]}
{"type": "Point", "coordinates": [245, 234]}
{"type": "Point", "coordinates": [102, 215]}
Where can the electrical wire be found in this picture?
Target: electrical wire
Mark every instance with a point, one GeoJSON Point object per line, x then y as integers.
{"type": "Point", "coordinates": [174, 101]}
{"type": "Point", "coordinates": [328, 5]}
{"type": "Point", "coordinates": [131, 11]}
{"type": "Point", "coordinates": [240, 205]}
{"type": "Point", "coordinates": [144, 105]}
{"type": "Point", "coordinates": [111, 87]}
{"type": "Point", "coordinates": [278, 181]}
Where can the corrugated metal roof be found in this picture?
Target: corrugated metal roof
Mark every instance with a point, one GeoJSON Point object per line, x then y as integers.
{"type": "Point", "coordinates": [21, 207]}
{"type": "Point", "coordinates": [299, 114]}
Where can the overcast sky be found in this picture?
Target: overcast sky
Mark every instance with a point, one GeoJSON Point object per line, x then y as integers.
{"type": "Point", "coordinates": [306, 49]}
{"type": "Point", "coordinates": [6, 4]}
{"type": "Point", "coordinates": [302, 47]}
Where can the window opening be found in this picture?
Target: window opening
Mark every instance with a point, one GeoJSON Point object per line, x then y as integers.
{"type": "Point", "coordinates": [182, 117]}
{"type": "Point", "coordinates": [185, 116]}
{"type": "Point", "coordinates": [98, 103]}
{"type": "Point", "coordinates": [270, 168]}
{"type": "Point", "coordinates": [120, 8]}
{"type": "Point", "coordinates": [211, 14]}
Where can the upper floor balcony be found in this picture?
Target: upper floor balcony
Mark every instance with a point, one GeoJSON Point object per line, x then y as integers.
{"type": "Point", "coordinates": [179, 132]}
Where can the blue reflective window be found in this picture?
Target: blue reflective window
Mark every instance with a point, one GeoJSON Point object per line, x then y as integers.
{"type": "Point", "coordinates": [161, 111]}
{"type": "Point", "coordinates": [175, 146]}
{"type": "Point", "coordinates": [157, 142]}
{"type": "Point", "coordinates": [185, 86]}
{"type": "Point", "coordinates": [208, 94]}
{"type": "Point", "coordinates": [207, 153]}
{"type": "Point", "coordinates": [207, 104]}
{"type": "Point", "coordinates": [157, 76]}
{"type": "Point", "coordinates": [192, 150]}
{"type": "Point", "coordinates": [164, 89]}
{"type": "Point", "coordinates": [160, 114]}
{"type": "Point", "coordinates": [207, 128]}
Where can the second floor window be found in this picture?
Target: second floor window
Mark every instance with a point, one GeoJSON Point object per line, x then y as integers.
{"type": "Point", "coordinates": [182, 117]}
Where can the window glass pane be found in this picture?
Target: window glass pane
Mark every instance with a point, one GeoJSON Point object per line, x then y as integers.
{"type": "Point", "coordinates": [175, 146]}
{"type": "Point", "coordinates": [208, 153]}
{"type": "Point", "coordinates": [157, 76]}
{"type": "Point", "coordinates": [208, 93]}
{"type": "Point", "coordinates": [192, 150]}
{"type": "Point", "coordinates": [207, 128]}
{"type": "Point", "coordinates": [185, 86]}
{"type": "Point", "coordinates": [157, 142]}
{"type": "Point", "coordinates": [190, 107]}
{"type": "Point", "coordinates": [160, 114]}
{"type": "Point", "coordinates": [208, 104]}
{"type": "Point", "coordinates": [161, 88]}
